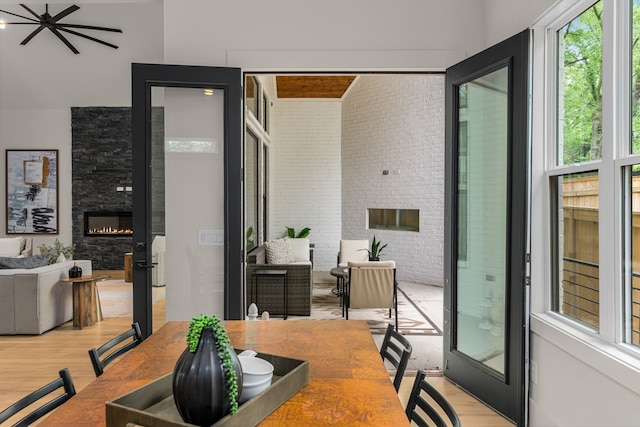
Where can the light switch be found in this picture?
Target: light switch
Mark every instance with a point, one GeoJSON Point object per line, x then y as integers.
{"type": "Point", "coordinates": [211, 237]}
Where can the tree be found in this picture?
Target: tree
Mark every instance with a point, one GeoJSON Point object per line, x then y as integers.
{"type": "Point", "coordinates": [580, 84]}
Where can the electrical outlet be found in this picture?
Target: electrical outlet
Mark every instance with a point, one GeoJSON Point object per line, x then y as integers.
{"type": "Point", "coordinates": [533, 372]}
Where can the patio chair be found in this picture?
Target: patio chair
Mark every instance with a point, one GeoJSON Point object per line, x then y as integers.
{"type": "Point", "coordinates": [352, 250]}
{"type": "Point", "coordinates": [396, 349]}
{"type": "Point", "coordinates": [64, 382]}
{"type": "Point", "coordinates": [372, 284]}
{"type": "Point", "coordinates": [431, 403]}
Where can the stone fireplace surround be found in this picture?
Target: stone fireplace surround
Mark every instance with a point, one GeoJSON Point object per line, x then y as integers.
{"type": "Point", "coordinates": [101, 158]}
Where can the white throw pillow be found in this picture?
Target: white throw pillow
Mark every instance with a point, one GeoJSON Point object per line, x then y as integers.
{"type": "Point", "coordinates": [10, 246]}
{"type": "Point", "coordinates": [299, 249]}
{"type": "Point", "coordinates": [278, 252]}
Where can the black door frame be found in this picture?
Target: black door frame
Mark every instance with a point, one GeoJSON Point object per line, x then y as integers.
{"type": "Point", "coordinates": [507, 395]}
{"type": "Point", "coordinates": [143, 78]}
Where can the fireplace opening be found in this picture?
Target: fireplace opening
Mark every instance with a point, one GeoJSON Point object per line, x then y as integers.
{"type": "Point", "coordinates": [108, 224]}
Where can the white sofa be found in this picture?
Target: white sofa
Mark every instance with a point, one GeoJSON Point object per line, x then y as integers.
{"type": "Point", "coordinates": [33, 301]}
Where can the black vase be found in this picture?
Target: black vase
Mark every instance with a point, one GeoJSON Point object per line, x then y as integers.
{"type": "Point", "coordinates": [200, 389]}
{"type": "Point", "coordinates": [75, 271]}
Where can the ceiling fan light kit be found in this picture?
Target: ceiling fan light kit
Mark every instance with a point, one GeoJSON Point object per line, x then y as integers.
{"type": "Point", "coordinates": [53, 24]}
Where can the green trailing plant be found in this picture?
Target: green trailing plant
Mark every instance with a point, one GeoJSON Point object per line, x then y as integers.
{"type": "Point", "coordinates": [376, 249]}
{"type": "Point", "coordinates": [57, 249]}
{"type": "Point", "coordinates": [194, 332]}
{"type": "Point", "coordinates": [291, 232]}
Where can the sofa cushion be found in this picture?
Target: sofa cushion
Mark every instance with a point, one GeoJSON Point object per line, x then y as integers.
{"type": "Point", "coordinates": [278, 251]}
{"type": "Point", "coordinates": [299, 249]}
{"type": "Point", "coordinates": [10, 246]}
{"type": "Point", "coordinates": [24, 263]}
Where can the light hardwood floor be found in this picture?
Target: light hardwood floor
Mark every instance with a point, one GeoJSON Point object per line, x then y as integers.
{"type": "Point", "coordinates": [28, 362]}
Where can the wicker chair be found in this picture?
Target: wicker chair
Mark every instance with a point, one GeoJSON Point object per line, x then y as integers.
{"type": "Point", "coordinates": [300, 284]}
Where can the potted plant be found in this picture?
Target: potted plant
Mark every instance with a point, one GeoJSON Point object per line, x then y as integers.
{"type": "Point", "coordinates": [376, 249]}
{"type": "Point", "coordinates": [207, 378]}
{"type": "Point", "coordinates": [58, 249]}
{"type": "Point", "coordinates": [249, 238]}
{"type": "Point", "coordinates": [291, 232]}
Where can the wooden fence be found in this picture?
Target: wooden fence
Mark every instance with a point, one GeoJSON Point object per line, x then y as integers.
{"type": "Point", "coordinates": [580, 258]}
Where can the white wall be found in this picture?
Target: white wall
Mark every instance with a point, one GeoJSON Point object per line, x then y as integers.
{"type": "Point", "coordinates": [396, 123]}
{"type": "Point", "coordinates": [305, 171]}
{"type": "Point", "coordinates": [41, 81]}
{"type": "Point", "coordinates": [334, 33]}
{"type": "Point", "coordinates": [521, 15]}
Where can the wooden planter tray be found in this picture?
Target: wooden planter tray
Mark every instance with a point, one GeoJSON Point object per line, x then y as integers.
{"type": "Point", "coordinates": [153, 405]}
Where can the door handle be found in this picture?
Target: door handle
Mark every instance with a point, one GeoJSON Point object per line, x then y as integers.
{"type": "Point", "coordinates": [142, 264]}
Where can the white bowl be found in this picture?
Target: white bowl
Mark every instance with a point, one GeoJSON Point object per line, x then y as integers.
{"type": "Point", "coordinates": [252, 390]}
{"type": "Point", "coordinates": [255, 369]}
{"type": "Point", "coordinates": [256, 376]}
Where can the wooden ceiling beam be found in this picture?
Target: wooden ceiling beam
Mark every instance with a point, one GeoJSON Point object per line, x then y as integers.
{"type": "Point", "coordinates": [312, 86]}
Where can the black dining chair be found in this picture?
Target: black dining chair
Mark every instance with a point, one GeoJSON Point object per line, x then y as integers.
{"type": "Point", "coordinates": [95, 354]}
{"type": "Point", "coordinates": [396, 349]}
{"type": "Point", "coordinates": [431, 404]}
{"type": "Point", "coordinates": [65, 382]}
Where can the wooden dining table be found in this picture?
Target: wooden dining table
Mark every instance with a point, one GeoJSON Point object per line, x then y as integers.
{"type": "Point", "coordinates": [348, 382]}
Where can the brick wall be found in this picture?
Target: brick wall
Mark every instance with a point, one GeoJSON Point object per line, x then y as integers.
{"type": "Point", "coordinates": [396, 123]}
{"type": "Point", "coordinates": [327, 162]}
{"type": "Point", "coordinates": [305, 170]}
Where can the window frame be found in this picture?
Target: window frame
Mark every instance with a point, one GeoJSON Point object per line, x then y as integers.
{"type": "Point", "coordinates": [614, 283]}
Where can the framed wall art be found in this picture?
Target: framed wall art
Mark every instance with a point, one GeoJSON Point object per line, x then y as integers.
{"type": "Point", "coordinates": [32, 191]}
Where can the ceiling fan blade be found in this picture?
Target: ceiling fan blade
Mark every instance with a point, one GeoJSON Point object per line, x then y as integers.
{"type": "Point", "coordinates": [64, 40]}
{"type": "Point", "coordinates": [88, 37]}
{"type": "Point", "coordinates": [31, 12]}
{"type": "Point", "coordinates": [89, 27]}
{"type": "Point", "coordinates": [20, 16]}
{"type": "Point", "coordinates": [22, 23]}
{"type": "Point", "coordinates": [64, 13]}
{"type": "Point", "coordinates": [32, 35]}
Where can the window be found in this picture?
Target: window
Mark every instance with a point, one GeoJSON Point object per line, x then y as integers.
{"type": "Point", "coordinates": [594, 171]}
{"type": "Point", "coordinates": [576, 245]}
{"type": "Point", "coordinates": [251, 189]}
{"type": "Point", "coordinates": [632, 270]}
{"type": "Point", "coordinates": [251, 95]}
{"type": "Point", "coordinates": [265, 112]}
{"type": "Point", "coordinates": [257, 140]}
{"type": "Point", "coordinates": [580, 88]}
{"type": "Point", "coordinates": [574, 194]}
{"type": "Point", "coordinates": [265, 193]}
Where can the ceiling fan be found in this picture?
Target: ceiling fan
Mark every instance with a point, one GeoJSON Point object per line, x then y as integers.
{"type": "Point", "coordinates": [52, 23]}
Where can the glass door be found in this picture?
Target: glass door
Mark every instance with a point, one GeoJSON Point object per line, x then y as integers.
{"type": "Point", "coordinates": [486, 226]}
{"type": "Point", "coordinates": [187, 187]}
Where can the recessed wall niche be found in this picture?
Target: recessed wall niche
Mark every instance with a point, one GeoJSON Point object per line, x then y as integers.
{"type": "Point", "coordinates": [394, 219]}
